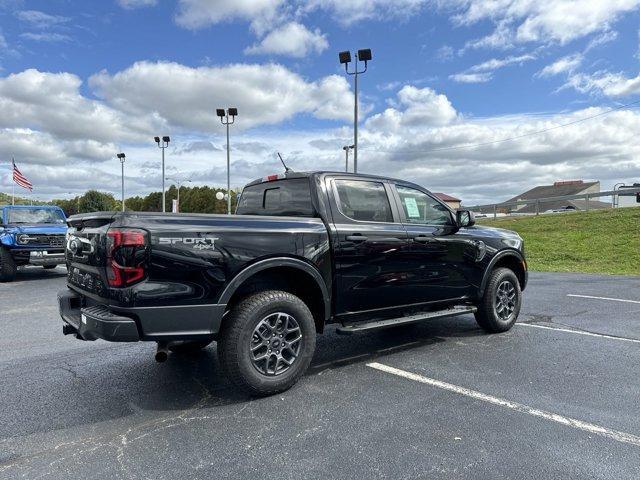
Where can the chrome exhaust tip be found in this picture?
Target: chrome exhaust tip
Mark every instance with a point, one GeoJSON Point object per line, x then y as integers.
{"type": "Point", "coordinates": [162, 353]}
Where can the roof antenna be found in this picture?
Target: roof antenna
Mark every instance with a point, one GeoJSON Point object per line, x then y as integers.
{"type": "Point", "coordinates": [286, 169]}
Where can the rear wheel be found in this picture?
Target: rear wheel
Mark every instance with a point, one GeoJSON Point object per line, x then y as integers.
{"type": "Point", "coordinates": [500, 306]}
{"type": "Point", "coordinates": [267, 342]}
{"type": "Point", "coordinates": [7, 266]}
{"type": "Point", "coordinates": [188, 346]}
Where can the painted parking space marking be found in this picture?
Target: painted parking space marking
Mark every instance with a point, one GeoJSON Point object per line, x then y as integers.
{"type": "Point", "coordinates": [616, 435]}
{"type": "Point", "coordinates": [580, 332]}
{"type": "Point", "coordinates": [603, 298]}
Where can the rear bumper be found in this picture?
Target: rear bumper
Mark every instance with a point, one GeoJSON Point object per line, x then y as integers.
{"type": "Point", "coordinates": [44, 258]}
{"type": "Point", "coordinates": [91, 323]}
{"type": "Point", "coordinates": [118, 324]}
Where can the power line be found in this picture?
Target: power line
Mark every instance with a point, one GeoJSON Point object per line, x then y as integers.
{"type": "Point", "coordinates": [517, 137]}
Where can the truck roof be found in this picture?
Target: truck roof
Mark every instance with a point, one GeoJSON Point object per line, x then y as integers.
{"type": "Point", "coordinates": [290, 175]}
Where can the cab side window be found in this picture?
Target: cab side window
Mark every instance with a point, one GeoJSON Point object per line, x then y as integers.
{"type": "Point", "coordinates": [421, 208]}
{"type": "Point", "coordinates": [364, 201]}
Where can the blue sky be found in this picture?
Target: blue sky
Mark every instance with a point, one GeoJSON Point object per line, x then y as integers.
{"type": "Point", "coordinates": [80, 80]}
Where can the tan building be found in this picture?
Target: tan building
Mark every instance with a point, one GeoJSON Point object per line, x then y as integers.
{"type": "Point", "coordinates": [558, 189]}
{"type": "Point", "coordinates": [453, 202]}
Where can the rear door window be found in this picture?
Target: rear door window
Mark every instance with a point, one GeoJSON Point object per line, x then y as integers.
{"type": "Point", "coordinates": [364, 201]}
{"type": "Point", "coordinates": [290, 197]}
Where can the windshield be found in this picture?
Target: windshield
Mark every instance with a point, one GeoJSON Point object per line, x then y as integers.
{"type": "Point", "coordinates": [34, 215]}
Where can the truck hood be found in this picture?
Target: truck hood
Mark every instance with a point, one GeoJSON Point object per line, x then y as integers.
{"type": "Point", "coordinates": [37, 229]}
{"type": "Point", "coordinates": [506, 237]}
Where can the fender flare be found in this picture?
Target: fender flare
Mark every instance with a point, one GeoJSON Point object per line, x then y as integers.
{"type": "Point", "coordinates": [498, 256]}
{"type": "Point", "coordinates": [261, 265]}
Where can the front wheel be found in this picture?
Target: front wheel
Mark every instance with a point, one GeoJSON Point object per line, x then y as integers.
{"type": "Point", "coordinates": [8, 266]}
{"type": "Point", "coordinates": [267, 342]}
{"type": "Point", "coordinates": [499, 307]}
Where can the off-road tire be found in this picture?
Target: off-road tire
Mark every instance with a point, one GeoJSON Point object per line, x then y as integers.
{"type": "Point", "coordinates": [487, 315]}
{"type": "Point", "coordinates": [234, 345]}
{"type": "Point", "coordinates": [8, 266]}
{"type": "Point", "coordinates": [188, 346]}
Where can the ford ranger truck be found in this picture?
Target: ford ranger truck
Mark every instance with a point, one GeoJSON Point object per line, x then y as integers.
{"type": "Point", "coordinates": [31, 235]}
{"type": "Point", "coordinates": [303, 251]}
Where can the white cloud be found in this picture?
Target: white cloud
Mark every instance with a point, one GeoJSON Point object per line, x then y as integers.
{"type": "Point", "coordinates": [471, 77]}
{"type": "Point", "coordinates": [46, 37]}
{"type": "Point", "coordinates": [445, 53]}
{"type": "Point", "coordinates": [416, 108]}
{"type": "Point", "coordinates": [53, 103]}
{"type": "Point", "coordinates": [605, 83]}
{"type": "Point", "coordinates": [292, 39]}
{"type": "Point", "coordinates": [195, 14]}
{"type": "Point", "coordinates": [520, 21]}
{"type": "Point", "coordinates": [563, 65]}
{"type": "Point", "coordinates": [131, 4]}
{"type": "Point", "coordinates": [496, 63]}
{"type": "Point", "coordinates": [186, 97]}
{"type": "Point", "coordinates": [39, 19]}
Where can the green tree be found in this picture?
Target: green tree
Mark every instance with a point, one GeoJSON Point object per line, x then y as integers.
{"type": "Point", "coordinates": [94, 201]}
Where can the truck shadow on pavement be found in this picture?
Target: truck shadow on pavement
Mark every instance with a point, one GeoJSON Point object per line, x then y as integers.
{"type": "Point", "coordinates": [122, 383]}
{"type": "Point", "coordinates": [32, 274]}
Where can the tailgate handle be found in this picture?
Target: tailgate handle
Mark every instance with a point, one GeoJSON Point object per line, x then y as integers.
{"type": "Point", "coordinates": [357, 237]}
{"type": "Point", "coordinates": [423, 239]}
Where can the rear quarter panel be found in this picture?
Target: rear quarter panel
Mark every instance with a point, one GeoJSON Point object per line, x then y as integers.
{"type": "Point", "coordinates": [193, 257]}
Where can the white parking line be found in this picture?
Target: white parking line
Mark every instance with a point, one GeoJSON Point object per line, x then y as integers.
{"type": "Point", "coordinates": [580, 332]}
{"type": "Point", "coordinates": [603, 298]}
{"type": "Point", "coordinates": [519, 407]}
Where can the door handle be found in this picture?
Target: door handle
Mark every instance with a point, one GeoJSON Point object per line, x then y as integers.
{"type": "Point", "coordinates": [356, 237]}
{"type": "Point", "coordinates": [423, 239]}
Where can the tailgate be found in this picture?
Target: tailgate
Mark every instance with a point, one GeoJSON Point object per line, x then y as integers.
{"type": "Point", "coordinates": [85, 252]}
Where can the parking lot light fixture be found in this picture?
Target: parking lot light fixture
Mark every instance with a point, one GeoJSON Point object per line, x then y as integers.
{"type": "Point", "coordinates": [121, 157]}
{"type": "Point", "coordinates": [363, 55]}
{"type": "Point", "coordinates": [346, 149]}
{"type": "Point", "coordinates": [227, 118]}
{"type": "Point", "coordinates": [164, 143]}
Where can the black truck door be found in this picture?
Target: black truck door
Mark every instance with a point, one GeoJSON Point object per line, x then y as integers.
{"type": "Point", "coordinates": [370, 245]}
{"type": "Point", "coordinates": [443, 259]}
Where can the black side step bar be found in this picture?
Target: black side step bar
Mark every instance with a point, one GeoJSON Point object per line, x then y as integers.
{"type": "Point", "coordinates": [392, 322]}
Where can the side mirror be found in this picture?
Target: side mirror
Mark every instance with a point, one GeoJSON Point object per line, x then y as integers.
{"type": "Point", "coordinates": [465, 218]}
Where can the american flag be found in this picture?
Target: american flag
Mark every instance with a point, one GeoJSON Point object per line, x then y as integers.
{"type": "Point", "coordinates": [20, 179]}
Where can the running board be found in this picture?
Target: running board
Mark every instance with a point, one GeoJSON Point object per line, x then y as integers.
{"type": "Point", "coordinates": [392, 322]}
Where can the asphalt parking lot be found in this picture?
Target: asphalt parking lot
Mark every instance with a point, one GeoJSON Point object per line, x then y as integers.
{"type": "Point", "coordinates": [556, 397]}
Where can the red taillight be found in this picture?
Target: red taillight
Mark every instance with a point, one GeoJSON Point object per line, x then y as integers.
{"type": "Point", "coordinates": [126, 256]}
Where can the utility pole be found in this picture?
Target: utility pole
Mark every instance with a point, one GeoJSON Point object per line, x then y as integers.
{"type": "Point", "coordinates": [164, 143]}
{"type": "Point", "coordinates": [121, 157]}
{"type": "Point", "coordinates": [363, 55]}
{"type": "Point", "coordinates": [346, 149]}
{"type": "Point", "coordinates": [224, 118]}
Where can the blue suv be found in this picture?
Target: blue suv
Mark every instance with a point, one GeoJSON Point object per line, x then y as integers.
{"type": "Point", "coordinates": [31, 235]}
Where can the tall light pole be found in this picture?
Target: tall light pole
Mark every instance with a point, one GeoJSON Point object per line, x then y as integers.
{"type": "Point", "coordinates": [179, 185]}
{"type": "Point", "coordinates": [121, 157]}
{"type": "Point", "coordinates": [224, 118]}
{"type": "Point", "coordinates": [363, 55]}
{"type": "Point", "coordinates": [164, 143]}
{"type": "Point", "coordinates": [346, 149]}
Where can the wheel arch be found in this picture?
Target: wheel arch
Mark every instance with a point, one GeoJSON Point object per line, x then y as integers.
{"type": "Point", "coordinates": [283, 273]}
{"type": "Point", "coordinates": [511, 259]}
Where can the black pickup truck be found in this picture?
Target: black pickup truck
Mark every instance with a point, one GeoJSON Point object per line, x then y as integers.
{"type": "Point", "coordinates": [304, 250]}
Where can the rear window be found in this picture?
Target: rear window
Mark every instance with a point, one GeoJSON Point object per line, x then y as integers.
{"type": "Point", "coordinates": [289, 198]}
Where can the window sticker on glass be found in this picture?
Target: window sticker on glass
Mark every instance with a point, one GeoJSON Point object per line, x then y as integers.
{"type": "Point", "coordinates": [412, 207]}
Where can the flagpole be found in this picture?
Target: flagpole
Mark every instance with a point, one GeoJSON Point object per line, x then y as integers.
{"type": "Point", "coordinates": [13, 184]}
